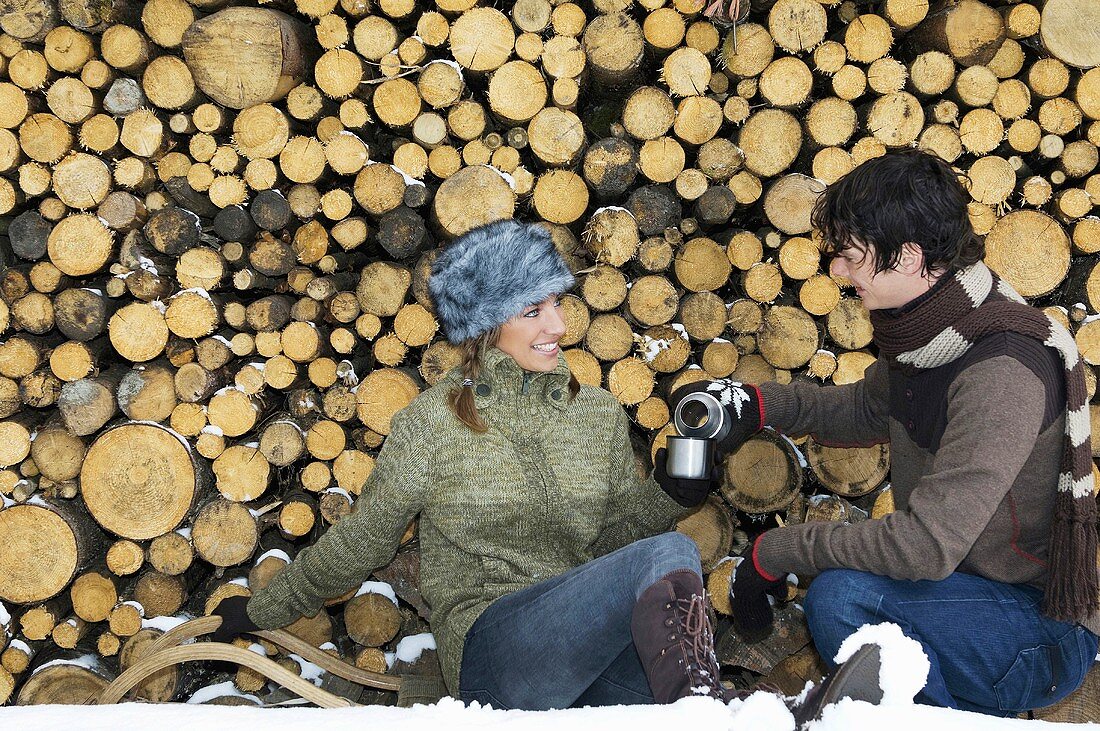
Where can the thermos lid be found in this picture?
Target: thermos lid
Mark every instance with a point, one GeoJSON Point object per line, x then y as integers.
{"type": "Point", "coordinates": [700, 415]}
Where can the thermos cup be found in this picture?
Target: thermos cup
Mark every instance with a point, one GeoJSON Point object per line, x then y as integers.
{"type": "Point", "coordinates": [701, 422]}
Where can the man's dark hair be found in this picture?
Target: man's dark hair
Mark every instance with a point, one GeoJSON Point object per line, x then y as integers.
{"type": "Point", "coordinates": [903, 196]}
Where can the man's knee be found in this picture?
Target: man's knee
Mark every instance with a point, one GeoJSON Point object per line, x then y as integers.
{"type": "Point", "coordinates": [843, 595]}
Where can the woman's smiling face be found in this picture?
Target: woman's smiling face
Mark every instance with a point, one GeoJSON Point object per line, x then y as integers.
{"type": "Point", "coordinates": [532, 336]}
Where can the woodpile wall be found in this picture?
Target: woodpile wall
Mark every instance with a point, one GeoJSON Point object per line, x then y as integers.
{"type": "Point", "coordinates": [218, 223]}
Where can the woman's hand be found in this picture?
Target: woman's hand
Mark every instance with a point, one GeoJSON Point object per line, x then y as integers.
{"type": "Point", "coordinates": [235, 619]}
{"type": "Point", "coordinates": [687, 493]}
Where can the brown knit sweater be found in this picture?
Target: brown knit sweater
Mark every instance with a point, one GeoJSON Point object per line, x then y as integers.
{"type": "Point", "coordinates": [975, 449]}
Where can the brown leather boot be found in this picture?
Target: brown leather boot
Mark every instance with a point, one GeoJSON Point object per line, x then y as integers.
{"type": "Point", "coordinates": [674, 639]}
{"type": "Point", "coordinates": [857, 678]}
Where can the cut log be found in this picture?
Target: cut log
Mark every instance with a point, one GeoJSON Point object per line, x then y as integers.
{"type": "Point", "coordinates": [246, 56]}
{"type": "Point", "coordinates": [762, 476]}
{"type": "Point", "coordinates": [849, 471]}
{"type": "Point", "coordinates": [224, 533]}
{"type": "Point", "coordinates": [614, 44]}
{"type": "Point", "coordinates": [1030, 250]}
{"type": "Point", "coordinates": [62, 532]}
{"type": "Point", "coordinates": [969, 31]}
{"type": "Point", "coordinates": [64, 676]}
{"type": "Point", "coordinates": [372, 619]}
{"type": "Point", "coordinates": [1068, 31]}
{"type": "Point", "coordinates": [140, 480]}
{"type": "Point", "coordinates": [711, 527]}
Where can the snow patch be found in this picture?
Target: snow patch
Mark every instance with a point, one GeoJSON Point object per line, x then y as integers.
{"type": "Point", "coordinates": [904, 668]}
{"type": "Point", "coordinates": [171, 431]}
{"type": "Point", "coordinates": [507, 178]}
{"type": "Point", "coordinates": [410, 648]}
{"type": "Point", "coordinates": [652, 347]}
{"type": "Point", "coordinates": [194, 290]}
{"type": "Point", "coordinates": [88, 662]}
{"type": "Point", "coordinates": [611, 208]}
{"type": "Point", "coordinates": [449, 62]}
{"type": "Point", "coordinates": [274, 553]}
{"type": "Point", "coordinates": [409, 180]}
{"type": "Point", "coordinates": [220, 690]}
{"type": "Point", "coordinates": [377, 587]}
{"type": "Point", "coordinates": [801, 457]}
{"type": "Point", "coordinates": [341, 491]}
{"type": "Point", "coordinates": [311, 672]}
{"type": "Point", "coordinates": [761, 710]}
{"type": "Point", "coordinates": [164, 624]}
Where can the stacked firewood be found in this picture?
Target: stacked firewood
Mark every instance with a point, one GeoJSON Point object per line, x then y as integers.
{"type": "Point", "coordinates": [218, 225]}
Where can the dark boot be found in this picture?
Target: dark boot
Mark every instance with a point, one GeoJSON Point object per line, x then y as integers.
{"type": "Point", "coordinates": [857, 678]}
{"type": "Point", "coordinates": [674, 639]}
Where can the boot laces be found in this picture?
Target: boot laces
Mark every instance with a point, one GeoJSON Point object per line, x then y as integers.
{"type": "Point", "coordinates": [699, 645]}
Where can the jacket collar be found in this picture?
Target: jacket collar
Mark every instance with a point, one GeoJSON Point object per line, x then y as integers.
{"type": "Point", "coordinates": [501, 377]}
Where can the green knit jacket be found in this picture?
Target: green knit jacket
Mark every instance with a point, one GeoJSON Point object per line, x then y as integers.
{"type": "Point", "coordinates": [551, 485]}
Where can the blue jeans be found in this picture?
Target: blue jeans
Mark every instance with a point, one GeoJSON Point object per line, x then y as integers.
{"type": "Point", "coordinates": [991, 649]}
{"type": "Point", "coordinates": [566, 642]}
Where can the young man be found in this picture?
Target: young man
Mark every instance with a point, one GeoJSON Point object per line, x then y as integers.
{"type": "Point", "coordinates": [990, 558]}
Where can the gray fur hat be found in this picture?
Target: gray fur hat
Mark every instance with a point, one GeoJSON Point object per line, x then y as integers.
{"type": "Point", "coordinates": [490, 273]}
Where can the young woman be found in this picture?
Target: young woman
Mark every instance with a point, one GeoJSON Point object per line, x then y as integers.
{"type": "Point", "coordinates": [546, 559]}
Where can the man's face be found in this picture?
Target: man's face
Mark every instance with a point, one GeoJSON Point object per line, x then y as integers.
{"type": "Point", "coordinates": [884, 290]}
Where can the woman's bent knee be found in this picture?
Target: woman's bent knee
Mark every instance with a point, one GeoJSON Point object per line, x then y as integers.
{"type": "Point", "coordinates": [667, 552]}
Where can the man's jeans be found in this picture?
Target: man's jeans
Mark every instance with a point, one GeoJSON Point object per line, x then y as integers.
{"type": "Point", "coordinates": [991, 649]}
{"type": "Point", "coordinates": [566, 641]}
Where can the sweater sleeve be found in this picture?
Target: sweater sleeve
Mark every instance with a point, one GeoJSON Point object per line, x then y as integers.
{"type": "Point", "coordinates": [995, 411]}
{"type": "Point", "coordinates": [361, 542]}
{"type": "Point", "coordinates": [855, 414]}
{"type": "Point", "coordinates": [636, 508]}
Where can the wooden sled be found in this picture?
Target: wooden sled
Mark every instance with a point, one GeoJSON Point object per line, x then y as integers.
{"type": "Point", "coordinates": [169, 649]}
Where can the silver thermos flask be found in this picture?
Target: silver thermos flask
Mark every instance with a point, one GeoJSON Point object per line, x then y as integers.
{"type": "Point", "coordinates": [701, 422]}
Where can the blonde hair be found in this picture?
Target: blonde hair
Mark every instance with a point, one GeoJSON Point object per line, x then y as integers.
{"type": "Point", "coordinates": [461, 398]}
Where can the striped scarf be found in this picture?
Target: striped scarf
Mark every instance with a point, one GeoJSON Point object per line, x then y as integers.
{"type": "Point", "coordinates": [941, 327]}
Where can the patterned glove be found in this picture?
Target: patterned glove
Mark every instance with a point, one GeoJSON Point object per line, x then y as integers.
{"type": "Point", "coordinates": [742, 402]}
{"type": "Point", "coordinates": [751, 595]}
{"type": "Point", "coordinates": [235, 619]}
{"type": "Point", "coordinates": [687, 493]}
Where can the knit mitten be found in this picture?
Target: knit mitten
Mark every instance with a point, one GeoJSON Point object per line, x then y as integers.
{"type": "Point", "coordinates": [751, 593]}
{"type": "Point", "coordinates": [687, 493]}
{"type": "Point", "coordinates": [743, 404]}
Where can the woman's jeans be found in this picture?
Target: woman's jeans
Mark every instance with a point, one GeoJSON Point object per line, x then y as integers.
{"type": "Point", "coordinates": [566, 641]}
{"type": "Point", "coordinates": [991, 649]}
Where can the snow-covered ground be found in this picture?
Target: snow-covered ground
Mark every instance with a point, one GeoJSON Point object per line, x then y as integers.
{"type": "Point", "coordinates": [904, 669]}
{"type": "Point", "coordinates": [758, 713]}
